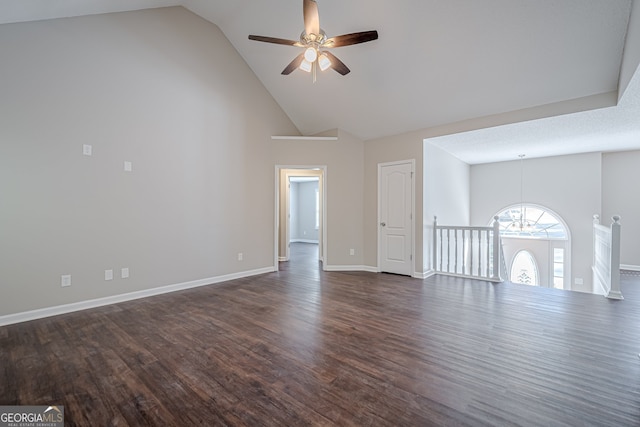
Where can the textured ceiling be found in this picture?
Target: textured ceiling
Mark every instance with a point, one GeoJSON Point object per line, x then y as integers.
{"type": "Point", "coordinates": [436, 63]}
{"type": "Point", "coordinates": [608, 129]}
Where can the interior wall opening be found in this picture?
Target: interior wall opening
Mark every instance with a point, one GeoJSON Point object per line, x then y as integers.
{"type": "Point", "coordinates": [536, 245]}
{"type": "Point", "coordinates": [300, 210]}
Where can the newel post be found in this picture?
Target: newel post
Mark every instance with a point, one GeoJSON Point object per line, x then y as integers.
{"type": "Point", "coordinates": [496, 249]}
{"type": "Point", "coordinates": [615, 293]}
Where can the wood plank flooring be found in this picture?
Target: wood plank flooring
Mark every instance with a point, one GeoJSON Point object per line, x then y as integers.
{"type": "Point", "coordinates": [306, 347]}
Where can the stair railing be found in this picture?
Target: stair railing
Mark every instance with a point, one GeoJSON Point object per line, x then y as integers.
{"type": "Point", "coordinates": [471, 252]}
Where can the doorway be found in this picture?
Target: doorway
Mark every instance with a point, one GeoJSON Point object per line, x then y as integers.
{"type": "Point", "coordinates": [292, 183]}
{"type": "Point", "coordinates": [395, 217]}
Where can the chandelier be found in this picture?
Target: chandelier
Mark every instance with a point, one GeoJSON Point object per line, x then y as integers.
{"type": "Point", "coordinates": [521, 223]}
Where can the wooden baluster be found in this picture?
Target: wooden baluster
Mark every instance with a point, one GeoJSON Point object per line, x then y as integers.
{"type": "Point", "coordinates": [496, 249]}
{"type": "Point", "coordinates": [488, 254]}
{"type": "Point", "coordinates": [448, 250]}
{"type": "Point", "coordinates": [455, 239]}
{"type": "Point", "coordinates": [435, 243]}
{"type": "Point", "coordinates": [596, 221]}
{"type": "Point", "coordinates": [471, 250]}
{"type": "Point", "coordinates": [441, 248]}
{"type": "Point", "coordinates": [468, 236]}
{"type": "Point", "coordinates": [480, 252]}
{"type": "Point", "coordinates": [480, 233]}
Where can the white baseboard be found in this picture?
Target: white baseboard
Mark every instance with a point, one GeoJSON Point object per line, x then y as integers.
{"type": "Point", "coordinates": [424, 275]}
{"type": "Point", "coordinates": [282, 258]}
{"type": "Point", "coordinates": [629, 267]}
{"type": "Point", "coordinates": [372, 269]}
{"type": "Point", "coordinates": [350, 268]}
{"type": "Point", "coordinates": [99, 302]}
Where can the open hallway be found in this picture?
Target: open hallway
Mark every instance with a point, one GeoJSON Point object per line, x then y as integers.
{"type": "Point", "coordinates": [307, 347]}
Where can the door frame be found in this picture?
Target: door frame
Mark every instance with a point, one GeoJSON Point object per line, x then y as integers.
{"type": "Point", "coordinates": [299, 170]}
{"type": "Point", "coordinates": [412, 223]}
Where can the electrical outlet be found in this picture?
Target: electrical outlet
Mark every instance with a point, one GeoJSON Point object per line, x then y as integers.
{"type": "Point", "coordinates": [108, 275]}
{"type": "Point", "coordinates": [65, 280]}
{"type": "Point", "coordinates": [240, 256]}
{"type": "Point", "coordinates": [124, 273]}
{"type": "Point", "coordinates": [87, 150]}
{"type": "Point", "coordinates": [352, 251]}
{"type": "Point", "coordinates": [128, 166]}
{"type": "Point", "coordinates": [578, 281]}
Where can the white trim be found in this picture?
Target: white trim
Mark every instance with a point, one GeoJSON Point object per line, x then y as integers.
{"type": "Point", "coordinates": [282, 259]}
{"type": "Point", "coordinates": [366, 268]}
{"type": "Point", "coordinates": [629, 267]}
{"type": "Point", "coordinates": [305, 138]}
{"type": "Point", "coordinates": [114, 299]}
{"type": "Point", "coordinates": [424, 275]}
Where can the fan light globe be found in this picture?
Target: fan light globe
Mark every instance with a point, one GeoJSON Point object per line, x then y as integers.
{"type": "Point", "coordinates": [310, 54]}
{"type": "Point", "coordinates": [324, 62]}
{"type": "Point", "coordinates": [305, 66]}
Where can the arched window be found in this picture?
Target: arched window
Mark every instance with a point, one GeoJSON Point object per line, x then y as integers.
{"type": "Point", "coordinates": [531, 221]}
{"type": "Point", "coordinates": [524, 269]}
{"type": "Point", "coordinates": [545, 242]}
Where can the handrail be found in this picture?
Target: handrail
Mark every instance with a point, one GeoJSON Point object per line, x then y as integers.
{"type": "Point", "coordinates": [606, 258]}
{"type": "Point", "coordinates": [464, 251]}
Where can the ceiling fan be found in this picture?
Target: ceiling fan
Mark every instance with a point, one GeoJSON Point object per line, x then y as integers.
{"type": "Point", "coordinates": [316, 43]}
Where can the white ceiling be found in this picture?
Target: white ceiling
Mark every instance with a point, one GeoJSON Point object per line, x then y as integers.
{"type": "Point", "coordinates": [436, 62]}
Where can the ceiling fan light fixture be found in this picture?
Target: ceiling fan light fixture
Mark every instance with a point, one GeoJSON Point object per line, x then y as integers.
{"type": "Point", "coordinates": [314, 41]}
{"type": "Point", "coordinates": [311, 54]}
{"type": "Point", "coordinates": [324, 62]}
{"type": "Point", "coordinates": [305, 66]}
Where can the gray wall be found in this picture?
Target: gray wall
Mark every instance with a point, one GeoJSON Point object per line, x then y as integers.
{"type": "Point", "coordinates": [446, 193]}
{"type": "Point", "coordinates": [621, 176]}
{"type": "Point", "coordinates": [147, 87]}
{"type": "Point", "coordinates": [344, 179]}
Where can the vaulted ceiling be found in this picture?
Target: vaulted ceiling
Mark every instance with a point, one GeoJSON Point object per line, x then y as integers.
{"type": "Point", "coordinates": [436, 63]}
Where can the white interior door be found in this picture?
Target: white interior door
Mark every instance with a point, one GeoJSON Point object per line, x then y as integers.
{"type": "Point", "coordinates": [395, 218]}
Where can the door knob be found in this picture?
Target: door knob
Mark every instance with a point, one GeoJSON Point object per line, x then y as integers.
{"type": "Point", "coordinates": [384, 224]}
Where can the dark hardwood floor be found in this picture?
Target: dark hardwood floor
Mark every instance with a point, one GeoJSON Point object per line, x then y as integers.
{"type": "Point", "coordinates": [306, 347]}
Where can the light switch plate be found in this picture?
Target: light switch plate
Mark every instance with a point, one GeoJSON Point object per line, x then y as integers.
{"type": "Point", "coordinates": [124, 273]}
{"type": "Point", "coordinates": [108, 275]}
{"type": "Point", "coordinates": [87, 150]}
{"type": "Point", "coordinates": [65, 280]}
{"type": "Point", "coordinates": [128, 167]}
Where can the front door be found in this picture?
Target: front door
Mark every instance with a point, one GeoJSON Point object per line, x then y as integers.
{"type": "Point", "coordinates": [395, 217]}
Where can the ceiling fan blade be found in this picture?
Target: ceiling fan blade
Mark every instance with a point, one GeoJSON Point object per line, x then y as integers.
{"type": "Point", "coordinates": [275, 40]}
{"type": "Point", "coordinates": [293, 65]}
{"type": "Point", "coordinates": [311, 17]}
{"type": "Point", "coordinates": [336, 64]}
{"type": "Point", "coordinates": [353, 38]}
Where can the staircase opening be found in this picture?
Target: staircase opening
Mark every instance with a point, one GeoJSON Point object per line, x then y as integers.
{"type": "Point", "coordinates": [536, 243]}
